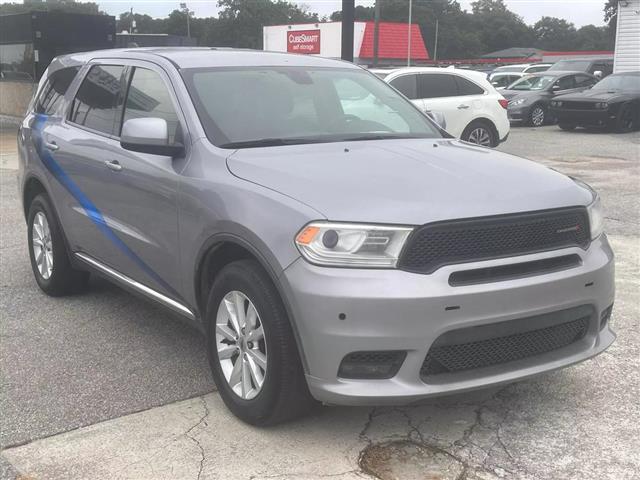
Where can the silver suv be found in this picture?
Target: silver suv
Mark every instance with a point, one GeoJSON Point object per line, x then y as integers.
{"type": "Point", "coordinates": [331, 242]}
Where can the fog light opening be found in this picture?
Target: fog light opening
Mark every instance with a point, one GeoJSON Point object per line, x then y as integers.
{"type": "Point", "coordinates": [371, 365]}
{"type": "Point", "coordinates": [605, 316]}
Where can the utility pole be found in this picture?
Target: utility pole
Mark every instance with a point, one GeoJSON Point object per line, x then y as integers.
{"type": "Point", "coordinates": [185, 9]}
{"type": "Point", "coordinates": [376, 32]}
{"type": "Point", "coordinates": [132, 24]}
{"type": "Point", "coordinates": [435, 46]}
{"type": "Point", "coordinates": [348, 18]}
{"type": "Point", "coordinates": [409, 34]}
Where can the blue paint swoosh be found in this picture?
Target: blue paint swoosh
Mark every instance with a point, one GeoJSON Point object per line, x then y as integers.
{"type": "Point", "coordinates": [88, 206]}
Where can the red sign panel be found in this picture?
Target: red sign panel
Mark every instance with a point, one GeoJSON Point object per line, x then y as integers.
{"type": "Point", "coordinates": [303, 41]}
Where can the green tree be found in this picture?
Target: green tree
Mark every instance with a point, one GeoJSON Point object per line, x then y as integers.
{"type": "Point", "coordinates": [50, 5]}
{"type": "Point", "coordinates": [555, 34]}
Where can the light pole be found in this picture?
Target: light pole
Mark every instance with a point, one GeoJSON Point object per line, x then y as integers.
{"type": "Point", "coordinates": [435, 47]}
{"type": "Point", "coordinates": [409, 34]}
{"type": "Point", "coordinates": [185, 9]}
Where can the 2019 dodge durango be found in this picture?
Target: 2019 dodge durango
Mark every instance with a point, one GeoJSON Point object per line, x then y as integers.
{"type": "Point", "coordinates": [331, 242]}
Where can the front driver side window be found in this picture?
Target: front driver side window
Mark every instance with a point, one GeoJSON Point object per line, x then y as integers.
{"type": "Point", "coordinates": [148, 97]}
{"type": "Point", "coordinates": [565, 83]}
{"type": "Point", "coordinates": [406, 85]}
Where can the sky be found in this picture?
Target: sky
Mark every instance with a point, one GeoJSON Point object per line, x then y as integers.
{"type": "Point", "coordinates": [579, 12]}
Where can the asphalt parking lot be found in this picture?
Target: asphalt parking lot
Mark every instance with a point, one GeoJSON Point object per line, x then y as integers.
{"type": "Point", "coordinates": [105, 385]}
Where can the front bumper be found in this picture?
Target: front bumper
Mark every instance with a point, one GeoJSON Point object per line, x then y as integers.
{"type": "Point", "coordinates": [397, 310]}
{"type": "Point", "coordinates": [592, 118]}
{"type": "Point", "coordinates": [518, 114]}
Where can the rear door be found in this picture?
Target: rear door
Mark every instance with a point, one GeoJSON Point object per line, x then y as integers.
{"type": "Point", "coordinates": [407, 84]}
{"type": "Point", "coordinates": [440, 93]}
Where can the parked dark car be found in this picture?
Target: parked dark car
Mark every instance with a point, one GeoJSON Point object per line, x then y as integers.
{"type": "Point", "coordinates": [530, 96]}
{"type": "Point", "coordinates": [614, 102]}
{"type": "Point", "coordinates": [600, 67]}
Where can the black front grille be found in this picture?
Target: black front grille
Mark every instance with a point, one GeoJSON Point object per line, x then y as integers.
{"type": "Point", "coordinates": [443, 243]}
{"type": "Point", "coordinates": [579, 105]}
{"type": "Point", "coordinates": [457, 357]}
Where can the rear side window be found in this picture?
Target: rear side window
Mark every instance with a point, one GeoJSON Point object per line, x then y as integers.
{"type": "Point", "coordinates": [98, 103]}
{"type": "Point", "coordinates": [437, 85]}
{"type": "Point", "coordinates": [54, 90]}
{"type": "Point", "coordinates": [406, 85]}
{"type": "Point", "coordinates": [565, 83]}
{"type": "Point", "coordinates": [465, 87]}
{"type": "Point", "coordinates": [148, 97]}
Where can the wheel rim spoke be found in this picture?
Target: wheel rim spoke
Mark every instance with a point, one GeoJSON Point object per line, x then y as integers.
{"type": "Point", "coordinates": [259, 358]}
{"type": "Point", "coordinates": [255, 335]}
{"type": "Point", "coordinates": [256, 373]}
{"type": "Point", "coordinates": [233, 316]}
{"type": "Point", "coordinates": [246, 378]}
{"type": "Point", "coordinates": [236, 374]}
{"type": "Point", "coordinates": [226, 332]}
{"type": "Point", "coordinates": [41, 245]}
{"type": "Point", "coordinates": [227, 352]}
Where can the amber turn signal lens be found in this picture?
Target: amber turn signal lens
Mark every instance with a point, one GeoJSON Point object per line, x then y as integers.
{"type": "Point", "coordinates": [306, 236]}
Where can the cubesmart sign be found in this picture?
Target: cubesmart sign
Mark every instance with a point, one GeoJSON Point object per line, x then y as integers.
{"type": "Point", "coordinates": [303, 41]}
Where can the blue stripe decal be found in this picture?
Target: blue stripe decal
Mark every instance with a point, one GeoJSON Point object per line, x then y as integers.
{"type": "Point", "coordinates": [88, 206]}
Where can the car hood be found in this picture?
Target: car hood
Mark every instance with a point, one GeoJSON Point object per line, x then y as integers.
{"type": "Point", "coordinates": [595, 95]}
{"type": "Point", "coordinates": [410, 182]}
{"type": "Point", "coordinates": [515, 94]}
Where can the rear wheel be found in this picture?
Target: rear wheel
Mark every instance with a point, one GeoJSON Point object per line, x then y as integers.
{"type": "Point", "coordinates": [47, 250]}
{"type": "Point", "coordinates": [480, 133]}
{"type": "Point", "coordinates": [626, 119]}
{"type": "Point", "coordinates": [251, 347]}
{"type": "Point", "coordinates": [567, 126]}
{"type": "Point", "coordinates": [537, 116]}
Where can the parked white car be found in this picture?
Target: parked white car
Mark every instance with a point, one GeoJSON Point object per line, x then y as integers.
{"type": "Point", "coordinates": [524, 68]}
{"type": "Point", "coordinates": [473, 109]}
{"type": "Point", "coordinates": [501, 80]}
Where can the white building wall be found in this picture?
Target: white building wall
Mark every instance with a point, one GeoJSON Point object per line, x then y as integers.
{"type": "Point", "coordinates": [627, 54]}
{"type": "Point", "coordinates": [275, 37]}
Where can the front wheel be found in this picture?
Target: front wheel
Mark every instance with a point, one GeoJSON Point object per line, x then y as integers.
{"type": "Point", "coordinates": [537, 116]}
{"type": "Point", "coordinates": [251, 347]}
{"type": "Point", "coordinates": [625, 121]}
{"type": "Point", "coordinates": [480, 133]}
{"type": "Point", "coordinates": [48, 253]}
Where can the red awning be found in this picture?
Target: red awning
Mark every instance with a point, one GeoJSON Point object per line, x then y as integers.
{"type": "Point", "coordinates": [393, 41]}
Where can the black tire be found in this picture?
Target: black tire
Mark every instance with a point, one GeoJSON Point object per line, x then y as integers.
{"type": "Point", "coordinates": [63, 279]}
{"type": "Point", "coordinates": [567, 127]}
{"type": "Point", "coordinates": [284, 395]}
{"type": "Point", "coordinates": [537, 116]}
{"type": "Point", "coordinates": [471, 132]}
{"type": "Point", "coordinates": [625, 121]}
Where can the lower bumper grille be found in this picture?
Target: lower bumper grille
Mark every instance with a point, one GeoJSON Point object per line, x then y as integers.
{"type": "Point", "coordinates": [457, 357]}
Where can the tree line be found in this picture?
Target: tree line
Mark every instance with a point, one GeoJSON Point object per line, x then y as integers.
{"type": "Point", "coordinates": [488, 27]}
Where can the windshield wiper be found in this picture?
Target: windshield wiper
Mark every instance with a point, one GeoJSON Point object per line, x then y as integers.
{"type": "Point", "coordinates": [271, 142]}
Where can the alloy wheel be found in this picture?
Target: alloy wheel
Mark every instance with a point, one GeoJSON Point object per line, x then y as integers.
{"type": "Point", "coordinates": [241, 346]}
{"type": "Point", "coordinates": [42, 245]}
{"type": "Point", "coordinates": [627, 119]}
{"type": "Point", "coordinates": [537, 117]}
{"type": "Point", "coordinates": [480, 136]}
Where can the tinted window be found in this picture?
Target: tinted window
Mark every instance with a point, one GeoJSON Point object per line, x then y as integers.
{"type": "Point", "coordinates": [580, 65]}
{"type": "Point", "coordinates": [148, 97]}
{"type": "Point", "coordinates": [584, 81]}
{"type": "Point", "coordinates": [436, 85]}
{"type": "Point", "coordinates": [406, 85]}
{"type": "Point", "coordinates": [16, 62]}
{"type": "Point", "coordinates": [619, 81]}
{"type": "Point", "coordinates": [465, 87]}
{"type": "Point", "coordinates": [540, 68]}
{"type": "Point", "coordinates": [98, 103]}
{"type": "Point", "coordinates": [565, 83]}
{"type": "Point", "coordinates": [54, 89]}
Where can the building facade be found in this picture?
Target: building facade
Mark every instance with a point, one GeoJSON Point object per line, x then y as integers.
{"type": "Point", "coordinates": [627, 53]}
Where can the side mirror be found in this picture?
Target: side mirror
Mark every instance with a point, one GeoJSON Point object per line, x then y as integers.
{"type": "Point", "coordinates": [438, 118]}
{"type": "Point", "coordinates": [597, 74]}
{"type": "Point", "coordinates": [555, 88]}
{"type": "Point", "coordinates": [149, 135]}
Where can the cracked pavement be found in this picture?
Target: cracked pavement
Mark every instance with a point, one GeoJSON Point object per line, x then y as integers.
{"type": "Point", "coordinates": [106, 386]}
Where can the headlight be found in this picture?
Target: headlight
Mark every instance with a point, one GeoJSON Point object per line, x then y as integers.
{"type": "Point", "coordinates": [596, 218]}
{"type": "Point", "coordinates": [556, 103]}
{"type": "Point", "coordinates": [352, 244]}
{"type": "Point", "coordinates": [602, 105]}
{"type": "Point", "coordinates": [517, 102]}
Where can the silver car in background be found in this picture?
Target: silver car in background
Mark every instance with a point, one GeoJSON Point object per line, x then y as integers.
{"type": "Point", "coordinates": [331, 242]}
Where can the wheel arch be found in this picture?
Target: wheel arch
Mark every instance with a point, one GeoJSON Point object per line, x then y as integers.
{"type": "Point", "coordinates": [222, 249]}
{"type": "Point", "coordinates": [489, 123]}
{"type": "Point", "coordinates": [33, 186]}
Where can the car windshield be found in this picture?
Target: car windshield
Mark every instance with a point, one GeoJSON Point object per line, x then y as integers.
{"type": "Point", "coordinates": [618, 82]}
{"type": "Point", "coordinates": [243, 107]}
{"type": "Point", "coordinates": [570, 65]}
{"type": "Point", "coordinates": [514, 68]}
{"type": "Point", "coordinates": [532, 83]}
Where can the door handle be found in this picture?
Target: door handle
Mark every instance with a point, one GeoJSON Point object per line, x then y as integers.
{"type": "Point", "coordinates": [53, 146]}
{"type": "Point", "coordinates": [463, 107]}
{"type": "Point", "coordinates": [113, 165]}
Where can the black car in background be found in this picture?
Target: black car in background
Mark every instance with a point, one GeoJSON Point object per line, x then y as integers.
{"type": "Point", "coordinates": [529, 97]}
{"type": "Point", "coordinates": [614, 102]}
{"type": "Point", "coordinates": [600, 67]}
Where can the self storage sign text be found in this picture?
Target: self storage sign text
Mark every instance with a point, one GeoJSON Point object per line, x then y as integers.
{"type": "Point", "coordinates": [303, 41]}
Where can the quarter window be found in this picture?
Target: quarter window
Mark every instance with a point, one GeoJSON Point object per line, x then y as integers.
{"type": "Point", "coordinates": [465, 87]}
{"type": "Point", "coordinates": [148, 97]}
{"type": "Point", "coordinates": [437, 85]}
{"type": "Point", "coordinates": [54, 90]}
{"type": "Point", "coordinates": [406, 85]}
{"type": "Point", "coordinates": [98, 103]}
